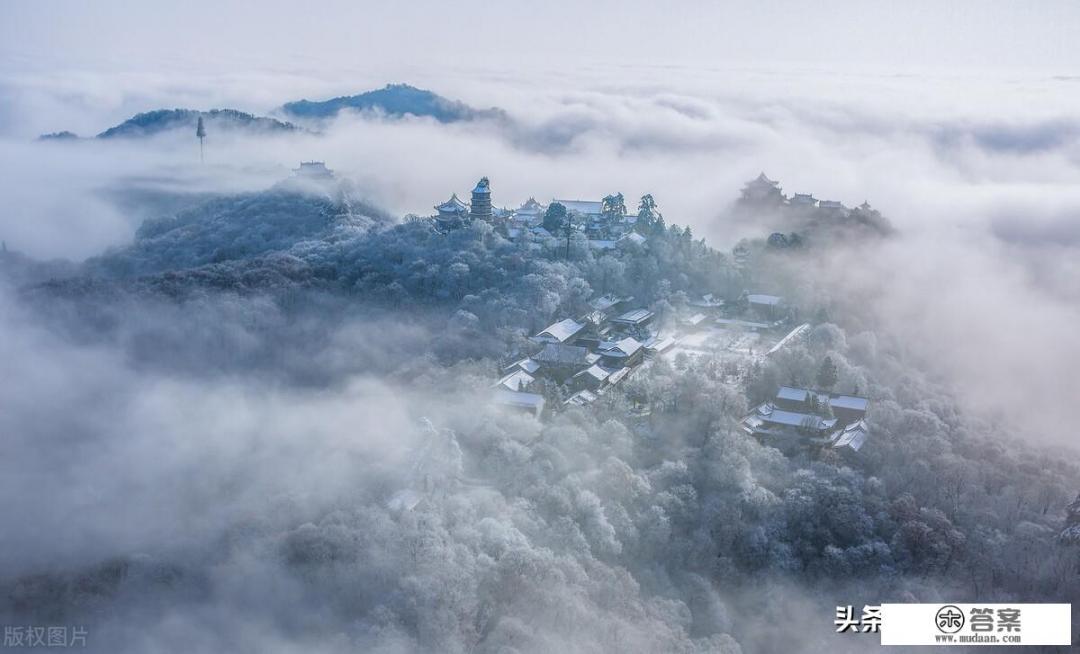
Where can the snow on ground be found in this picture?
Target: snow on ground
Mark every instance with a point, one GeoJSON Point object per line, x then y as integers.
{"type": "Point", "coordinates": [720, 341]}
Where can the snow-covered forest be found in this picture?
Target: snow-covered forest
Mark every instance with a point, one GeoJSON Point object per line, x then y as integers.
{"type": "Point", "coordinates": [334, 447]}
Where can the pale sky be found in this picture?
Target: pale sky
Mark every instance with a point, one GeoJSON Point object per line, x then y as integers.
{"type": "Point", "coordinates": [217, 35]}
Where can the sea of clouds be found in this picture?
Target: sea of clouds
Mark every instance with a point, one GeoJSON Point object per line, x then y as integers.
{"type": "Point", "coordinates": [110, 456]}
{"type": "Point", "coordinates": [975, 171]}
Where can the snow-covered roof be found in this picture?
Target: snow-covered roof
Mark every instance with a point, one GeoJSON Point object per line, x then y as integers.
{"type": "Point", "coordinates": [792, 394]}
{"type": "Point", "coordinates": [633, 237]}
{"type": "Point", "coordinates": [696, 319]}
{"type": "Point", "coordinates": [635, 316]}
{"type": "Point", "coordinates": [604, 302]}
{"type": "Point", "coordinates": [601, 244]}
{"type": "Point", "coordinates": [526, 364]}
{"type": "Point", "coordinates": [852, 437]}
{"type": "Point", "coordinates": [516, 381]}
{"type": "Point", "coordinates": [762, 179]}
{"type": "Point", "coordinates": [830, 204]}
{"type": "Point", "coordinates": [751, 423]}
{"type": "Point", "coordinates": [623, 348]}
{"type": "Point", "coordinates": [849, 402]}
{"type": "Point", "coordinates": [617, 376]}
{"type": "Point", "coordinates": [594, 371]}
{"type": "Point", "coordinates": [563, 330]}
{"type": "Point", "coordinates": [659, 344]}
{"type": "Point", "coordinates": [530, 206]}
{"type": "Point", "coordinates": [581, 398]}
{"type": "Point", "coordinates": [770, 414]}
{"type": "Point", "coordinates": [453, 205]}
{"type": "Point", "coordinates": [759, 298]}
{"type": "Point", "coordinates": [583, 207]}
{"type": "Point", "coordinates": [853, 440]}
{"type": "Point", "coordinates": [803, 198]}
{"type": "Point", "coordinates": [483, 186]}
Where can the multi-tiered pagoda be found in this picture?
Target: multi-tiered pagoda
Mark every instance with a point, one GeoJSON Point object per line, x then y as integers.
{"type": "Point", "coordinates": [481, 200]}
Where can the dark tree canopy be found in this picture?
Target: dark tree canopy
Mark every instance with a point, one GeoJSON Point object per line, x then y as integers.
{"type": "Point", "coordinates": [827, 374]}
{"type": "Point", "coordinates": [614, 206]}
{"type": "Point", "coordinates": [555, 217]}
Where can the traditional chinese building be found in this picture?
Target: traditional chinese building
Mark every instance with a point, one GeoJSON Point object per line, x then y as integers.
{"type": "Point", "coordinates": [865, 210]}
{"type": "Point", "coordinates": [452, 213]}
{"type": "Point", "coordinates": [762, 190]}
{"type": "Point", "coordinates": [481, 200]}
{"type": "Point", "coordinates": [530, 214]}
{"type": "Point", "coordinates": [584, 210]}
{"type": "Point", "coordinates": [313, 170]}
{"type": "Point", "coordinates": [801, 418]}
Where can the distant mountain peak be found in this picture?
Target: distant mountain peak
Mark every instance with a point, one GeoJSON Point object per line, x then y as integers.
{"type": "Point", "coordinates": [393, 100]}
{"type": "Point", "coordinates": [161, 120]}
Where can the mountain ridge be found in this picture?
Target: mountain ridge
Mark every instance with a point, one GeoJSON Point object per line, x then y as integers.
{"type": "Point", "coordinates": [394, 100]}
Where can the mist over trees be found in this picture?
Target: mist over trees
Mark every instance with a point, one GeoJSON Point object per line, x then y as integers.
{"type": "Point", "coordinates": [375, 500]}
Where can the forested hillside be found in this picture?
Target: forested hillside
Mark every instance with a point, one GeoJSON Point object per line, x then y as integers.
{"type": "Point", "coordinates": [647, 520]}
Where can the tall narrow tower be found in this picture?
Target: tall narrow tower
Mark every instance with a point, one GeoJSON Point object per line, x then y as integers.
{"type": "Point", "coordinates": [200, 132]}
{"type": "Point", "coordinates": [481, 201]}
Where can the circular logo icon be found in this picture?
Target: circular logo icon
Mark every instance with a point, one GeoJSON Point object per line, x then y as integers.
{"type": "Point", "coordinates": [949, 619]}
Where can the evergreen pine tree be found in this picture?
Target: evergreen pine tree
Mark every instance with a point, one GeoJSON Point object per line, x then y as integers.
{"type": "Point", "coordinates": [555, 217]}
{"type": "Point", "coordinates": [827, 374]}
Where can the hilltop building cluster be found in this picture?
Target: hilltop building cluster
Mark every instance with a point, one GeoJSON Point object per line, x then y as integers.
{"type": "Point", "coordinates": [799, 418]}
{"type": "Point", "coordinates": [454, 213]}
{"type": "Point", "coordinates": [588, 354]}
{"type": "Point", "coordinates": [578, 359]}
{"type": "Point", "coordinates": [606, 224]}
{"type": "Point", "coordinates": [762, 191]}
